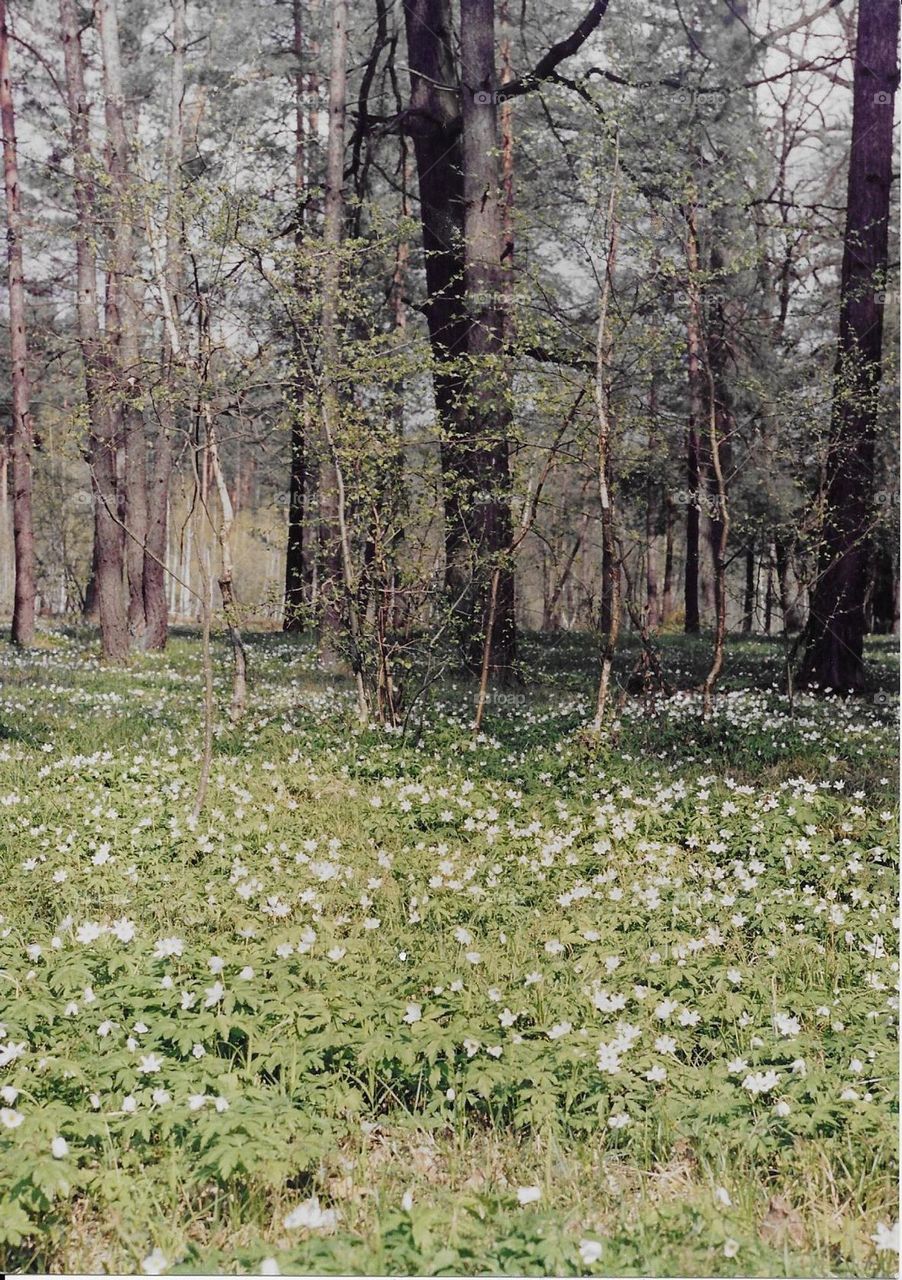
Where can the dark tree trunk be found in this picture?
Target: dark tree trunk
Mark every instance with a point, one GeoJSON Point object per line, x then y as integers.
{"type": "Point", "coordinates": [836, 626]}
{"type": "Point", "coordinates": [457, 153]}
{"type": "Point", "coordinates": [748, 598]}
{"type": "Point", "coordinates": [667, 587]}
{"type": "Point", "coordinates": [295, 553]}
{"type": "Point", "coordinates": [108, 553]}
{"type": "Point", "coordinates": [20, 438]}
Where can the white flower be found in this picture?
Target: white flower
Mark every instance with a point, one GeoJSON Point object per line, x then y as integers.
{"type": "Point", "coordinates": [149, 1064]}
{"type": "Point", "coordinates": [760, 1082]}
{"type": "Point", "coordinates": [161, 1097]}
{"type": "Point", "coordinates": [123, 929]}
{"type": "Point", "coordinates": [886, 1238]}
{"type": "Point", "coordinates": [619, 1121]}
{"type": "Point", "coordinates": [155, 1263]}
{"type": "Point", "coordinates": [59, 1148]}
{"type": "Point", "coordinates": [734, 976]}
{"type": "Point", "coordinates": [336, 953]}
{"type": "Point", "coordinates": [665, 1044]}
{"type": "Point", "coordinates": [722, 1196]}
{"type": "Point", "coordinates": [414, 1013]}
{"type": "Point", "coordinates": [9, 1094]}
{"type": "Point", "coordinates": [88, 932]}
{"type": "Point", "coordinates": [787, 1025]}
{"type": "Point", "coordinates": [463, 936]}
{"type": "Point", "coordinates": [10, 1052]}
{"type": "Point", "coordinates": [782, 1108]}
{"type": "Point", "coordinates": [245, 975]}
{"type": "Point", "coordinates": [269, 1267]}
{"type": "Point", "coordinates": [214, 994]}
{"type": "Point", "coordinates": [528, 1195]}
{"type": "Point", "coordinates": [590, 1252]}
{"type": "Point", "coordinates": [166, 947]}
{"type": "Point", "coordinates": [196, 1101]}
{"type": "Point", "coordinates": [129, 1104]}
{"type": "Point", "coordinates": [407, 1201]}
{"type": "Point", "coordinates": [10, 1119]}
{"type": "Point", "coordinates": [474, 957]}
{"type": "Point", "coordinates": [656, 1074]}
{"type": "Point", "coordinates": [665, 1009]}
{"type": "Point", "coordinates": [730, 1248]}
{"type": "Point", "coordinates": [198, 1051]}
{"type": "Point", "coordinates": [311, 1215]}
{"type": "Point", "coordinates": [737, 1066]}
{"type": "Point", "coordinates": [560, 1029]}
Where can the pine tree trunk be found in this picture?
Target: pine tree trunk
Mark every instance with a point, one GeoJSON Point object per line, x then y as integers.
{"type": "Point", "coordinates": [836, 627]}
{"type": "Point", "coordinates": [20, 438]}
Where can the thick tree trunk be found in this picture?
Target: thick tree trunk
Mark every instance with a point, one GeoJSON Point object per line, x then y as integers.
{"type": "Point", "coordinates": [295, 552]}
{"type": "Point", "coordinates": [835, 635]}
{"type": "Point", "coordinates": [156, 612]}
{"type": "Point", "coordinates": [19, 436]}
{"type": "Point", "coordinates": [102, 441]}
{"type": "Point", "coordinates": [456, 145]}
{"type": "Point", "coordinates": [692, 623]}
{"type": "Point", "coordinates": [121, 334]}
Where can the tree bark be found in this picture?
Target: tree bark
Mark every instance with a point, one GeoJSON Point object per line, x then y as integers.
{"type": "Point", "coordinates": [485, 456]}
{"type": "Point", "coordinates": [295, 553]}
{"type": "Point", "coordinates": [102, 437]}
{"type": "Point", "coordinates": [121, 334]}
{"type": "Point", "coordinates": [456, 144]}
{"type": "Point", "coordinates": [748, 598]}
{"type": "Point", "coordinates": [692, 622]}
{"type": "Point", "coordinates": [19, 435]}
{"type": "Point", "coordinates": [156, 612]}
{"type": "Point", "coordinates": [667, 586]}
{"type": "Point", "coordinates": [836, 625]}
{"type": "Point", "coordinates": [330, 535]}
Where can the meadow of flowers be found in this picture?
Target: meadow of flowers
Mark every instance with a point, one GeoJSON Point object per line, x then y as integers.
{"type": "Point", "coordinates": [415, 1002]}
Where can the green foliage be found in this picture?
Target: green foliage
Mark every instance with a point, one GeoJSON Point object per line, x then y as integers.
{"type": "Point", "coordinates": [449, 967]}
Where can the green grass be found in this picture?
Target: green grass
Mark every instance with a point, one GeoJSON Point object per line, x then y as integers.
{"type": "Point", "coordinates": [729, 884]}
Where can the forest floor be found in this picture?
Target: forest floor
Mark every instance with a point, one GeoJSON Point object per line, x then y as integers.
{"type": "Point", "coordinates": [414, 1003]}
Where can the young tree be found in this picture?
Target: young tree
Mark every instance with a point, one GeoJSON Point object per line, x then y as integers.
{"type": "Point", "coordinates": [19, 435]}
{"type": "Point", "coordinates": [836, 627]}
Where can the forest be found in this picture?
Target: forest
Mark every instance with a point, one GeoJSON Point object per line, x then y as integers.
{"type": "Point", "coordinates": [449, 560]}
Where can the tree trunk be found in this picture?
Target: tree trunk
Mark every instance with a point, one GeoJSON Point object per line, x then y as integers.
{"type": "Point", "coordinates": [692, 623]}
{"type": "Point", "coordinates": [667, 588]}
{"type": "Point", "coordinates": [295, 557]}
{"type": "Point", "coordinates": [456, 145]}
{"type": "Point", "coordinates": [835, 635]}
{"type": "Point", "coordinates": [121, 334]}
{"type": "Point", "coordinates": [748, 599]}
{"type": "Point", "coordinates": [102, 442]}
{"type": "Point", "coordinates": [156, 613]}
{"type": "Point", "coordinates": [20, 437]}
{"type": "Point", "coordinates": [333, 214]}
